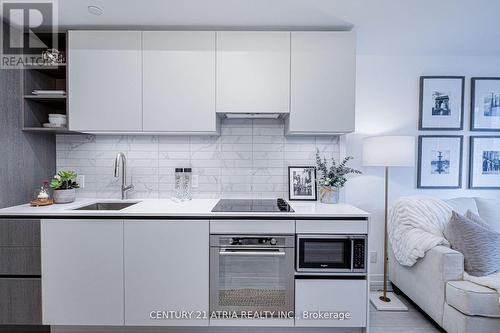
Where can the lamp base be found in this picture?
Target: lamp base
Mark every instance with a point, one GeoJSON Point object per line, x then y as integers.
{"type": "Point", "coordinates": [394, 303]}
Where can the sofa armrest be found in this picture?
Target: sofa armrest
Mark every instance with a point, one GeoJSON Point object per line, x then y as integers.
{"type": "Point", "coordinates": [425, 282]}
{"type": "Point", "coordinates": [445, 264]}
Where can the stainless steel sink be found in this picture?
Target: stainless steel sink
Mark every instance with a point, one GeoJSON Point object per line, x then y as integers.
{"type": "Point", "coordinates": [107, 206]}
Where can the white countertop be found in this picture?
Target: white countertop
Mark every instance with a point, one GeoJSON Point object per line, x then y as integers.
{"type": "Point", "coordinates": [170, 208]}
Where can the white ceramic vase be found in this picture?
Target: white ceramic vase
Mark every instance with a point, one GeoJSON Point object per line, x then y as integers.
{"type": "Point", "coordinates": [328, 194]}
{"type": "Point", "coordinates": [64, 196]}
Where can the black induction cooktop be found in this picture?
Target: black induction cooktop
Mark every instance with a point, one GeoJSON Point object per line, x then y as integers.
{"type": "Point", "coordinates": [252, 205]}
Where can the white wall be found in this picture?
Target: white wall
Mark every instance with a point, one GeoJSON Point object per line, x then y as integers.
{"type": "Point", "coordinates": [387, 97]}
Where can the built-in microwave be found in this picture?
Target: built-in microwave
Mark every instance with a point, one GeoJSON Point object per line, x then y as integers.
{"type": "Point", "coordinates": [331, 253]}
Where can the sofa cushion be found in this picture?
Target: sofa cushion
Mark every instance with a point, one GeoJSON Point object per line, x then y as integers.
{"type": "Point", "coordinates": [489, 210]}
{"type": "Point", "coordinates": [480, 246]}
{"type": "Point", "coordinates": [477, 219]}
{"type": "Point", "coordinates": [462, 205]}
{"type": "Point", "coordinates": [472, 299]}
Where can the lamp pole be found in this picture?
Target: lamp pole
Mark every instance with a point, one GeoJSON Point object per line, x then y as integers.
{"type": "Point", "coordinates": [384, 297]}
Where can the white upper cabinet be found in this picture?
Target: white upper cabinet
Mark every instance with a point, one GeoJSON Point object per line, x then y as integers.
{"type": "Point", "coordinates": [175, 82]}
{"type": "Point", "coordinates": [253, 71]}
{"type": "Point", "coordinates": [179, 81]}
{"type": "Point", "coordinates": [105, 81]}
{"type": "Point", "coordinates": [323, 73]}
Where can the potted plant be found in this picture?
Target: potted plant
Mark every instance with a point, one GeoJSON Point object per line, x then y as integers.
{"type": "Point", "coordinates": [64, 186]}
{"type": "Point", "coordinates": [332, 178]}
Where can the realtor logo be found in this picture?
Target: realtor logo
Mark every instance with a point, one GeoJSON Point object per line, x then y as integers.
{"type": "Point", "coordinates": [23, 25]}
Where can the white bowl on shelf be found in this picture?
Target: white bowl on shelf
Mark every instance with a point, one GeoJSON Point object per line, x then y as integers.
{"type": "Point", "coordinates": [57, 119]}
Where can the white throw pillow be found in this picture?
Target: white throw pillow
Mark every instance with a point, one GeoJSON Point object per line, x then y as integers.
{"type": "Point", "coordinates": [462, 205]}
{"type": "Point", "coordinates": [476, 218]}
{"type": "Point", "coordinates": [489, 210]}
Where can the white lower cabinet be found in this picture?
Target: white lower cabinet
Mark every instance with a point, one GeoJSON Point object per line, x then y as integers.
{"type": "Point", "coordinates": [331, 299]}
{"type": "Point", "coordinates": [82, 272]}
{"type": "Point", "coordinates": [166, 272]}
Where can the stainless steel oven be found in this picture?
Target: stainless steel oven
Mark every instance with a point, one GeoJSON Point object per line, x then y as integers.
{"type": "Point", "coordinates": [251, 273]}
{"type": "Point", "coordinates": [331, 253]}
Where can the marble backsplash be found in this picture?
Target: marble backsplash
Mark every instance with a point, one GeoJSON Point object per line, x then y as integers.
{"type": "Point", "coordinates": [249, 159]}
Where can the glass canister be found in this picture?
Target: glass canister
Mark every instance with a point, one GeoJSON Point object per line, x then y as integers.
{"type": "Point", "coordinates": [179, 183]}
{"type": "Point", "coordinates": [41, 196]}
{"type": "Point", "coordinates": [187, 184]}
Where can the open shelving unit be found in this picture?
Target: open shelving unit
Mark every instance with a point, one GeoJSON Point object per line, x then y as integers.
{"type": "Point", "coordinates": [41, 76]}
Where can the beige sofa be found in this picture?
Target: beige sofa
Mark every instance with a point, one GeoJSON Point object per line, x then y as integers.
{"type": "Point", "coordinates": [435, 283]}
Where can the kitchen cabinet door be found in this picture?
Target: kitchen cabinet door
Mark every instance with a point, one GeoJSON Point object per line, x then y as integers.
{"type": "Point", "coordinates": [82, 272]}
{"type": "Point", "coordinates": [253, 71]}
{"type": "Point", "coordinates": [166, 269]}
{"type": "Point", "coordinates": [323, 72]}
{"type": "Point", "coordinates": [332, 298]}
{"type": "Point", "coordinates": [179, 81]}
{"type": "Point", "coordinates": [20, 301]}
{"type": "Point", "coordinates": [105, 91]}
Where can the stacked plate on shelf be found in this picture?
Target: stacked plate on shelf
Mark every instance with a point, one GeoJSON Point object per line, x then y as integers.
{"type": "Point", "coordinates": [49, 92]}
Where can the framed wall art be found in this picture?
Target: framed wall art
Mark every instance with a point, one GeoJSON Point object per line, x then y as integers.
{"type": "Point", "coordinates": [302, 183]}
{"type": "Point", "coordinates": [441, 102]}
{"type": "Point", "coordinates": [484, 162]}
{"type": "Point", "coordinates": [440, 159]}
{"type": "Point", "coordinates": [485, 104]}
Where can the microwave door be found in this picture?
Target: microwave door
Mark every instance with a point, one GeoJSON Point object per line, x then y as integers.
{"type": "Point", "coordinates": [325, 254]}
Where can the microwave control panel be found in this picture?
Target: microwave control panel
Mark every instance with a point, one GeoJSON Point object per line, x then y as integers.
{"type": "Point", "coordinates": [359, 254]}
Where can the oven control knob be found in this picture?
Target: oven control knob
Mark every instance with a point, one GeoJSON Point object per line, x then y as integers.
{"type": "Point", "coordinates": [273, 241]}
{"type": "Point", "coordinates": [233, 241]}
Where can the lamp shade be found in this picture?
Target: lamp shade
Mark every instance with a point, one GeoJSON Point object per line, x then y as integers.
{"type": "Point", "coordinates": [389, 151]}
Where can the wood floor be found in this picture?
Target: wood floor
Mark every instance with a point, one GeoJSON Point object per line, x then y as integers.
{"type": "Point", "coordinates": [412, 321]}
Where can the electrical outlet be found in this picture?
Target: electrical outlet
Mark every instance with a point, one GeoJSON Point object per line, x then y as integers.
{"type": "Point", "coordinates": [195, 181]}
{"type": "Point", "coordinates": [373, 257]}
{"type": "Point", "coordinates": [80, 179]}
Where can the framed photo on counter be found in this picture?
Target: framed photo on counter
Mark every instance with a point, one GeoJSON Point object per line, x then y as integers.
{"type": "Point", "coordinates": [440, 159]}
{"type": "Point", "coordinates": [441, 103]}
{"type": "Point", "coordinates": [485, 104]}
{"type": "Point", "coordinates": [302, 183]}
{"type": "Point", "coordinates": [484, 164]}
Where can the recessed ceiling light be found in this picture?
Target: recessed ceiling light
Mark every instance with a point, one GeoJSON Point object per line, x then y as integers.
{"type": "Point", "coordinates": [94, 10]}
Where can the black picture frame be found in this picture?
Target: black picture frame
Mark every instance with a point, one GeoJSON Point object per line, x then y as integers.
{"type": "Point", "coordinates": [419, 163]}
{"type": "Point", "coordinates": [473, 82]}
{"type": "Point", "coordinates": [314, 195]}
{"type": "Point", "coordinates": [471, 163]}
{"type": "Point", "coordinates": [421, 104]}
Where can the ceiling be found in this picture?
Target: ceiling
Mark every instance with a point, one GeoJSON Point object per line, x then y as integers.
{"type": "Point", "coordinates": [386, 27]}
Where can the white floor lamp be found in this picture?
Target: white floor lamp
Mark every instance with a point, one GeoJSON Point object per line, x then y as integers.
{"type": "Point", "coordinates": [388, 151]}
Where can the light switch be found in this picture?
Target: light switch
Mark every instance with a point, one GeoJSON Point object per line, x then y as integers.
{"type": "Point", "coordinates": [194, 181]}
{"type": "Point", "coordinates": [373, 257]}
{"type": "Point", "coordinates": [80, 179]}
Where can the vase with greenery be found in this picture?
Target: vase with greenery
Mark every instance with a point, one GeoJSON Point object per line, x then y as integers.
{"type": "Point", "coordinates": [64, 185]}
{"type": "Point", "coordinates": [332, 178]}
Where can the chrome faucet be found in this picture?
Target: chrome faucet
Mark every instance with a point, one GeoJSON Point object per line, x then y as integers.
{"type": "Point", "coordinates": [125, 187]}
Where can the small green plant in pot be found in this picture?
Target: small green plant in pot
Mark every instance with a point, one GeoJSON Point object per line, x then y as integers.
{"type": "Point", "coordinates": [64, 185]}
{"type": "Point", "coordinates": [332, 179]}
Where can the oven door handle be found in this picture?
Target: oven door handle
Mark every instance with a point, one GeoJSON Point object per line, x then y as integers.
{"type": "Point", "coordinates": [252, 252]}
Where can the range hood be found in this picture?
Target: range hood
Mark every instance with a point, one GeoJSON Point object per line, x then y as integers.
{"type": "Point", "coordinates": [253, 115]}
